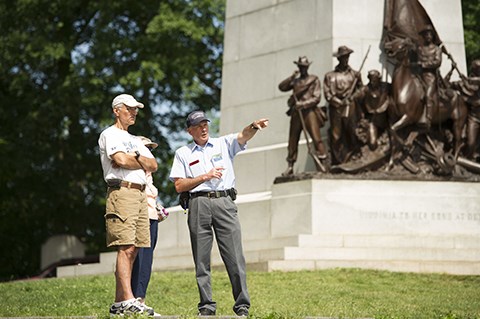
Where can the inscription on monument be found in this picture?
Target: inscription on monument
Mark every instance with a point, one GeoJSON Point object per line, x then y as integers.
{"type": "Point", "coordinates": [420, 216]}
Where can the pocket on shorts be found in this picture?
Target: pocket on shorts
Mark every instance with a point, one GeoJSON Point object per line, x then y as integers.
{"type": "Point", "coordinates": [115, 228]}
{"type": "Point", "coordinates": [113, 217]}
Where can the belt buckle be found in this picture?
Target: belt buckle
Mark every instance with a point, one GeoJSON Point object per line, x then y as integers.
{"type": "Point", "coordinates": [212, 194]}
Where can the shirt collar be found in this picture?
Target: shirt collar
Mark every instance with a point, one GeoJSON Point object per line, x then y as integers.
{"type": "Point", "coordinates": [194, 146]}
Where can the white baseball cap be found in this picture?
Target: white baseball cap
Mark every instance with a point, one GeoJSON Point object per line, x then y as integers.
{"type": "Point", "coordinates": [126, 99]}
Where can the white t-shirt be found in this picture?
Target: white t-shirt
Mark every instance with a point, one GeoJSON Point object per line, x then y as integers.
{"type": "Point", "coordinates": [113, 140]}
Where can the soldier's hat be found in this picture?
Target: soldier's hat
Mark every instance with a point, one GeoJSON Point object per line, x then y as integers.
{"type": "Point", "coordinates": [373, 73]}
{"type": "Point", "coordinates": [302, 61]}
{"type": "Point", "coordinates": [342, 50]}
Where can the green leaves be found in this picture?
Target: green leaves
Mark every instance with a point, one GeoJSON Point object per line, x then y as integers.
{"type": "Point", "coordinates": [471, 18]}
{"type": "Point", "coordinates": [62, 64]}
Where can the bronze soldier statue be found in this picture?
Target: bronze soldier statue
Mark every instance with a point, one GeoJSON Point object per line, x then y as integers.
{"type": "Point", "coordinates": [469, 87]}
{"type": "Point", "coordinates": [303, 111]}
{"type": "Point", "coordinates": [429, 56]}
{"type": "Point", "coordinates": [374, 99]}
{"type": "Point", "coordinates": [339, 86]}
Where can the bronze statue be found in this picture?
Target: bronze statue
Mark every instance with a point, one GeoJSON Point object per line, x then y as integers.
{"type": "Point", "coordinates": [429, 59]}
{"type": "Point", "coordinates": [414, 47]}
{"type": "Point", "coordinates": [407, 93]}
{"type": "Point", "coordinates": [374, 98]}
{"type": "Point", "coordinates": [304, 113]}
{"type": "Point", "coordinates": [339, 86]}
{"type": "Point", "coordinates": [418, 120]}
{"type": "Point", "coordinates": [470, 90]}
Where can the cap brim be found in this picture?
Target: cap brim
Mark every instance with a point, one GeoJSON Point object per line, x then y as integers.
{"type": "Point", "coordinates": [138, 104]}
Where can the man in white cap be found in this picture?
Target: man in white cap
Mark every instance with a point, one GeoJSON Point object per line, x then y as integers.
{"type": "Point", "coordinates": [203, 170]}
{"type": "Point", "coordinates": [124, 161]}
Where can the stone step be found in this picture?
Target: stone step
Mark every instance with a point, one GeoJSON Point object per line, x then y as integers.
{"type": "Point", "coordinates": [397, 241]}
{"type": "Point", "coordinates": [248, 245]}
{"type": "Point", "coordinates": [453, 267]}
{"type": "Point", "coordinates": [386, 253]}
{"type": "Point", "coordinates": [86, 269]}
{"type": "Point", "coordinates": [309, 251]}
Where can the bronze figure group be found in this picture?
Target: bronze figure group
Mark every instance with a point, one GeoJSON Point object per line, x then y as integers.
{"type": "Point", "coordinates": [421, 121]}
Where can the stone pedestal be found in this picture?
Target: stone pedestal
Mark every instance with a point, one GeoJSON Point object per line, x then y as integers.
{"type": "Point", "coordinates": [317, 223]}
{"type": "Point", "coordinates": [313, 224]}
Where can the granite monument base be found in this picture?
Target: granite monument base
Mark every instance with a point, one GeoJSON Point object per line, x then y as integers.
{"type": "Point", "coordinates": [411, 226]}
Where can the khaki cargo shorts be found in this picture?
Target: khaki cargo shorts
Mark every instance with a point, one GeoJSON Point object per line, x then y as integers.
{"type": "Point", "coordinates": [126, 218]}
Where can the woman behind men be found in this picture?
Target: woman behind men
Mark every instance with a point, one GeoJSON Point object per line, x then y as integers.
{"type": "Point", "coordinates": [142, 267]}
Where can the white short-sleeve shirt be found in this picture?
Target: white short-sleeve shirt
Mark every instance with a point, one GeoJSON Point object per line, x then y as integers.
{"type": "Point", "coordinates": [193, 160]}
{"type": "Point", "coordinates": [113, 140]}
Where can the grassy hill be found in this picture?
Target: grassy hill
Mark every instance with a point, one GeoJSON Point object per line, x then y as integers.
{"type": "Point", "coordinates": [336, 293]}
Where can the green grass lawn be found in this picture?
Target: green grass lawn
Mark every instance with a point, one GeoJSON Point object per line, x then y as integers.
{"type": "Point", "coordinates": [336, 293]}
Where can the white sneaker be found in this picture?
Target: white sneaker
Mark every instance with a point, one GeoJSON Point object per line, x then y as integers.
{"type": "Point", "coordinates": [128, 307]}
{"type": "Point", "coordinates": [132, 307]}
{"type": "Point", "coordinates": [148, 310]}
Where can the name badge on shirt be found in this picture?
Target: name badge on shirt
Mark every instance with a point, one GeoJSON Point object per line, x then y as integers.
{"type": "Point", "coordinates": [216, 158]}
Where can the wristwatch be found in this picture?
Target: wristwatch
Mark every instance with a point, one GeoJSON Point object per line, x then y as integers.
{"type": "Point", "coordinates": [137, 154]}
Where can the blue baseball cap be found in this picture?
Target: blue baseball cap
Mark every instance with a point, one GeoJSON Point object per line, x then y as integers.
{"type": "Point", "coordinates": [195, 118]}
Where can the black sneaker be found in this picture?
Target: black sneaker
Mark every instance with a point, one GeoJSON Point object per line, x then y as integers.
{"type": "Point", "coordinates": [206, 312]}
{"type": "Point", "coordinates": [242, 312]}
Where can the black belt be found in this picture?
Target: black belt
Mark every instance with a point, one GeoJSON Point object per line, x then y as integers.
{"type": "Point", "coordinates": [211, 194]}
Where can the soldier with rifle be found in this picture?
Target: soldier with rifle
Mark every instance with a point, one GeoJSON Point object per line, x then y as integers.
{"type": "Point", "coordinates": [304, 114]}
{"type": "Point", "coordinates": [339, 86]}
{"type": "Point", "coordinates": [469, 87]}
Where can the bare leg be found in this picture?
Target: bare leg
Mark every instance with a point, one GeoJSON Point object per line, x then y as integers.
{"type": "Point", "coordinates": [123, 273]}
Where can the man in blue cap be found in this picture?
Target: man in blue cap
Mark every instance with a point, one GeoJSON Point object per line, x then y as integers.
{"type": "Point", "coordinates": [203, 170]}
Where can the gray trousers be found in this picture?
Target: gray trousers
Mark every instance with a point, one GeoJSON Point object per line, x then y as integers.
{"type": "Point", "coordinates": [219, 215]}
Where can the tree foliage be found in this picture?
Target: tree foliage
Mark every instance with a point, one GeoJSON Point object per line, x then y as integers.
{"type": "Point", "coordinates": [62, 64]}
{"type": "Point", "coordinates": [471, 25]}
